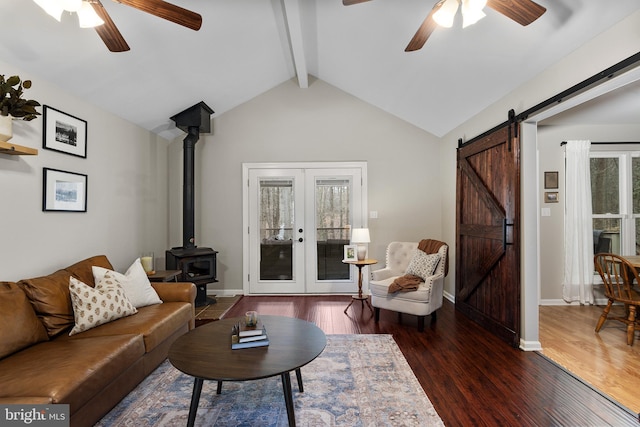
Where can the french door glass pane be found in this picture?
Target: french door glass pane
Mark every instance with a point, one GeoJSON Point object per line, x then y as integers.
{"type": "Point", "coordinates": [605, 178]}
{"type": "Point", "coordinates": [276, 229]}
{"type": "Point", "coordinates": [333, 219]}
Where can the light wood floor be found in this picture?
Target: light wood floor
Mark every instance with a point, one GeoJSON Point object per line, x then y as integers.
{"type": "Point", "coordinates": [604, 360]}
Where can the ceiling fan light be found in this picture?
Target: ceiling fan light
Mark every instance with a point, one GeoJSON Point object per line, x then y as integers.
{"type": "Point", "coordinates": [71, 5]}
{"type": "Point", "coordinates": [52, 7]}
{"type": "Point", "coordinates": [87, 16]}
{"type": "Point", "coordinates": [470, 13]}
{"type": "Point", "coordinates": [447, 12]}
{"type": "Point", "coordinates": [475, 4]}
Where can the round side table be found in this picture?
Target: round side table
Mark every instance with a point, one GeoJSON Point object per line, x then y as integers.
{"type": "Point", "coordinates": [362, 298]}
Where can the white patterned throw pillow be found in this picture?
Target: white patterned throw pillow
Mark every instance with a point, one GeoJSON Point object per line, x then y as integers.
{"type": "Point", "coordinates": [96, 306]}
{"type": "Point", "coordinates": [422, 264]}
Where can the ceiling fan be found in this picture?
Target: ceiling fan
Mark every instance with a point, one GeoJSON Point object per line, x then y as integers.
{"type": "Point", "coordinates": [524, 12]}
{"type": "Point", "coordinates": [108, 31]}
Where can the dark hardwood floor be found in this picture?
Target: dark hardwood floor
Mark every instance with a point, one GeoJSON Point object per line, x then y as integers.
{"type": "Point", "coordinates": [472, 378]}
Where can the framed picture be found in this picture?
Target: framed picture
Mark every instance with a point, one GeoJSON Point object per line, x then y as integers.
{"type": "Point", "coordinates": [551, 180]}
{"type": "Point", "coordinates": [63, 132]}
{"type": "Point", "coordinates": [64, 191]}
{"type": "Point", "coordinates": [551, 197]}
{"type": "Point", "coordinates": [350, 252]}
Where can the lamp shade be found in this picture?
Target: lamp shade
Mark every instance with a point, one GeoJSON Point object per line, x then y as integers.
{"type": "Point", "coordinates": [447, 12]}
{"type": "Point", "coordinates": [472, 11]}
{"type": "Point", "coordinates": [71, 5]}
{"type": "Point", "coordinates": [87, 16]}
{"type": "Point", "coordinates": [360, 235]}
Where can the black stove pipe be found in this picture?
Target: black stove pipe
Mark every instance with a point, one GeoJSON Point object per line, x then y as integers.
{"type": "Point", "coordinates": [188, 189]}
{"type": "Point", "coordinates": [193, 120]}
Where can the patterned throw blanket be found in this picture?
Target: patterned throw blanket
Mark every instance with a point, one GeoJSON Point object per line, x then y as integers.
{"type": "Point", "coordinates": [409, 282]}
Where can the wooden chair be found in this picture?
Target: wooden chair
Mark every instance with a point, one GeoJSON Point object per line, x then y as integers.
{"type": "Point", "coordinates": [618, 276]}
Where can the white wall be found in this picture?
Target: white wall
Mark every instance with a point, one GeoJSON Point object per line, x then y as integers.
{"type": "Point", "coordinates": [551, 156]}
{"type": "Point", "coordinates": [127, 192]}
{"type": "Point", "coordinates": [320, 123]}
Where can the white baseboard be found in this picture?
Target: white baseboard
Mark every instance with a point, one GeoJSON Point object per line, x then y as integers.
{"type": "Point", "coordinates": [450, 297]}
{"type": "Point", "coordinates": [530, 345]}
{"type": "Point", "coordinates": [598, 301]}
{"type": "Point", "coordinates": [224, 292]}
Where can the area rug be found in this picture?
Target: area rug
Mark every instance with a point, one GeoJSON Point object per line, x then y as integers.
{"type": "Point", "coordinates": [359, 380]}
{"type": "Point", "coordinates": [217, 310]}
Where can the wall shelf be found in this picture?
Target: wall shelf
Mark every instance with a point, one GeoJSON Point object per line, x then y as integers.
{"type": "Point", "coordinates": [16, 150]}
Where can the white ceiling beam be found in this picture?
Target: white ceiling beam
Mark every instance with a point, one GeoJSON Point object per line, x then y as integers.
{"type": "Point", "coordinates": [294, 28]}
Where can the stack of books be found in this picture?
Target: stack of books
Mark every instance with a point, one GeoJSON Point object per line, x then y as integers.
{"type": "Point", "coordinates": [243, 336]}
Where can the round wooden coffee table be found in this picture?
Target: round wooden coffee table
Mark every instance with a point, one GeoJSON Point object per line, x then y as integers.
{"type": "Point", "coordinates": [205, 353]}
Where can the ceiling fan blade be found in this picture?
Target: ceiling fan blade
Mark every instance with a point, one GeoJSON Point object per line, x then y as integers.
{"type": "Point", "coordinates": [425, 30]}
{"type": "Point", "coordinates": [108, 31]}
{"type": "Point", "coordinates": [167, 11]}
{"type": "Point", "coordinates": [524, 12]}
{"type": "Point", "coordinates": [350, 2]}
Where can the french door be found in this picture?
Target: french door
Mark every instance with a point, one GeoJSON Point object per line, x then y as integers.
{"type": "Point", "coordinates": [298, 217]}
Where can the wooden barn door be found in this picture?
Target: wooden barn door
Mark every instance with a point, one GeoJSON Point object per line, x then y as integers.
{"type": "Point", "coordinates": [487, 219]}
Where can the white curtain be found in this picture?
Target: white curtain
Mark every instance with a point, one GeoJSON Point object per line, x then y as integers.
{"type": "Point", "coordinates": [578, 229]}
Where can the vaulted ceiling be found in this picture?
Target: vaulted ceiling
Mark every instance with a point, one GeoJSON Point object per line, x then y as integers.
{"type": "Point", "coordinates": [246, 47]}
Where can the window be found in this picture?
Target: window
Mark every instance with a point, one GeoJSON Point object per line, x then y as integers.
{"type": "Point", "coordinates": [615, 194]}
{"type": "Point", "coordinates": [333, 219]}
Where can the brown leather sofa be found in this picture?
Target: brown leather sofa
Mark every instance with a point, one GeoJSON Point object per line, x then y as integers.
{"type": "Point", "coordinates": [93, 370]}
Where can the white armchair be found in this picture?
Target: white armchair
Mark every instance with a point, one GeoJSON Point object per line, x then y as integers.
{"type": "Point", "coordinates": [423, 301]}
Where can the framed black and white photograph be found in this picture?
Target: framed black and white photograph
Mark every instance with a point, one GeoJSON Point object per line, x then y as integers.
{"type": "Point", "coordinates": [350, 252]}
{"type": "Point", "coordinates": [550, 180]}
{"type": "Point", "coordinates": [64, 132]}
{"type": "Point", "coordinates": [64, 191]}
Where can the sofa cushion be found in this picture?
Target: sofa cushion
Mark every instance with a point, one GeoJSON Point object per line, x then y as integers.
{"type": "Point", "coordinates": [135, 283]}
{"type": "Point", "coordinates": [422, 264]}
{"type": "Point", "coordinates": [380, 289]}
{"type": "Point", "coordinates": [96, 306]}
{"type": "Point", "coordinates": [154, 323]}
{"type": "Point", "coordinates": [49, 295]}
{"type": "Point", "coordinates": [69, 371]}
{"type": "Point", "coordinates": [83, 270]}
{"type": "Point", "coordinates": [18, 322]}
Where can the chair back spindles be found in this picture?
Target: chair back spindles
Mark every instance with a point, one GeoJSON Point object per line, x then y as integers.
{"type": "Point", "coordinates": [618, 276]}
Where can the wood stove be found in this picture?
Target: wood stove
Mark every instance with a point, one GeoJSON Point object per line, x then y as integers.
{"type": "Point", "coordinates": [198, 265]}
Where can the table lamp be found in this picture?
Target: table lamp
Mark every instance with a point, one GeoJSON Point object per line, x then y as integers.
{"type": "Point", "coordinates": [360, 236]}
